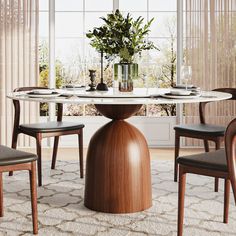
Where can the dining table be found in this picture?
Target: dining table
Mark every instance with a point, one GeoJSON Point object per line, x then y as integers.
{"type": "Point", "coordinates": [118, 176]}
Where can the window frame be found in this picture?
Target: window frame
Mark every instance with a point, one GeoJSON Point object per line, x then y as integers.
{"type": "Point", "coordinates": [52, 49]}
{"type": "Point", "coordinates": [52, 38]}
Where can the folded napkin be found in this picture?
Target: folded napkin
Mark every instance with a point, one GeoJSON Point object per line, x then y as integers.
{"type": "Point", "coordinates": [75, 86]}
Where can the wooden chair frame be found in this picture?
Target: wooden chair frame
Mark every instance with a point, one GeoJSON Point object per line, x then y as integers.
{"type": "Point", "coordinates": [217, 140]}
{"type": "Point", "coordinates": [40, 135]}
{"type": "Point", "coordinates": [229, 176]}
{"type": "Point", "coordinates": [31, 167]}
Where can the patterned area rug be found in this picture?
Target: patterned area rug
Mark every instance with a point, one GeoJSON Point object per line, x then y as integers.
{"type": "Point", "coordinates": [61, 210]}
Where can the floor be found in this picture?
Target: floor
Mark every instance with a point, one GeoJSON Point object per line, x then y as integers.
{"type": "Point", "coordinates": [61, 210]}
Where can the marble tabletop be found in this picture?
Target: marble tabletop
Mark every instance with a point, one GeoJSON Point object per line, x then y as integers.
{"type": "Point", "coordinates": [138, 96]}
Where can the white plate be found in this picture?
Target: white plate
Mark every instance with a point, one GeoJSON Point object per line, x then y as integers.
{"type": "Point", "coordinates": [181, 92]}
{"type": "Point", "coordinates": [54, 95]}
{"type": "Point", "coordinates": [42, 91]}
{"type": "Point", "coordinates": [180, 96]}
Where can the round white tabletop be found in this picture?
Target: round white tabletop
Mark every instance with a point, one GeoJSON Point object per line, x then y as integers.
{"type": "Point", "coordinates": [138, 96]}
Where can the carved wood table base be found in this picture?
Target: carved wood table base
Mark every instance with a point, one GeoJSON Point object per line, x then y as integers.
{"type": "Point", "coordinates": [118, 178]}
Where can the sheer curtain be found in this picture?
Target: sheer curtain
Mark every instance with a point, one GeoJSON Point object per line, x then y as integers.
{"type": "Point", "coordinates": [18, 60]}
{"type": "Point", "coordinates": [210, 48]}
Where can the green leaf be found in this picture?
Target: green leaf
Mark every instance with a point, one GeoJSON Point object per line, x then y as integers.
{"type": "Point", "coordinates": [121, 36]}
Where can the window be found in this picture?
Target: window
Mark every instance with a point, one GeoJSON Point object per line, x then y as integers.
{"type": "Point", "coordinates": [159, 66]}
{"type": "Point", "coordinates": [74, 55]}
{"type": "Point", "coordinates": [43, 49]}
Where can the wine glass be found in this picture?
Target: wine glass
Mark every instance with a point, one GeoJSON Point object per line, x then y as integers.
{"type": "Point", "coordinates": [186, 74]}
{"type": "Point", "coordinates": [63, 77]}
{"type": "Point", "coordinates": [67, 76]}
{"type": "Point", "coordinates": [158, 73]}
{"type": "Point", "coordinates": [69, 79]}
{"type": "Point", "coordinates": [74, 76]}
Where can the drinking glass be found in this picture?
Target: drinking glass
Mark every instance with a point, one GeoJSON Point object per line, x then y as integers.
{"type": "Point", "coordinates": [186, 74]}
{"type": "Point", "coordinates": [63, 78]}
{"type": "Point", "coordinates": [69, 78]}
{"type": "Point", "coordinates": [158, 73]}
{"type": "Point", "coordinates": [153, 74]}
{"type": "Point", "coordinates": [74, 76]}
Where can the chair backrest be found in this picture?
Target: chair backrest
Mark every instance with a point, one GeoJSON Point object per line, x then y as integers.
{"type": "Point", "coordinates": [230, 148]}
{"type": "Point", "coordinates": [202, 105]}
{"type": "Point", "coordinates": [232, 91]}
{"type": "Point", "coordinates": [17, 105]}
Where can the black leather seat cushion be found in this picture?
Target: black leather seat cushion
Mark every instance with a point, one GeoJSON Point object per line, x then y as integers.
{"type": "Point", "coordinates": [209, 160]}
{"type": "Point", "coordinates": [9, 156]}
{"type": "Point", "coordinates": [53, 126]}
{"type": "Point", "coordinates": [202, 129]}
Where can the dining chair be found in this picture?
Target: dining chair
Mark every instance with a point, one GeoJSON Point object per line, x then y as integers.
{"type": "Point", "coordinates": [220, 163]}
{"type": "Point", "coordinates": [205, 131]}
{"type": "Point", "coordinates": [46, 130]}
{"type": "Point", "coordinates": [14, 160]}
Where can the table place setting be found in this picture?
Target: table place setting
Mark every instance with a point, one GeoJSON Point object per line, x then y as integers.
{"type": "Point", "coordinates": [43, 93]}
{"type": "Point", "coordinates": [112, 96]}
{"type": "Point", "coordinates": [183, 86]}
{"type": "Point", "coordinates": [112, 93]}
{"type": "Point", "coordinates": [184, 90]}
{"type": "Point", "coordinates": [70, 87]}
{"type": "Point", "coordinates": [179, 92]}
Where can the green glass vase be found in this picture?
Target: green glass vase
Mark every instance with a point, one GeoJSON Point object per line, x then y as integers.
{"type": "Point", "coordinates": [124, 74]}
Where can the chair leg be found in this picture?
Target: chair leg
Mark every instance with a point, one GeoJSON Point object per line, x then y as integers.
{"type": "Point", "coordinates": [1, 196]}
{"type": "Point", "coordinates": [217, 143]}
{"type": "Point", "coordinates": [233, 185]}
{"type": "Point", "coordinates": [39, 162]}
{"type": "Point", "coordinates": [177, 146]}
{"type": "Point", "coordinates": [81, 158]}
{"type": "Point", "coordinates": [13, 145]}
{"type": "Point", "coordinates": [182, 183]}
{"type": "Point", "coordinates": [33, 190]}
{"type": "Point", "coordinates": [216, 185]}
{"type": "Point", "coordinates": [10, 173]}
{"type": "Point", "coordinates": [54, 155]}
{"type": "Point", "coordinates": [226, 200]}
{"type": "Point", "coordinates": [206, 145]}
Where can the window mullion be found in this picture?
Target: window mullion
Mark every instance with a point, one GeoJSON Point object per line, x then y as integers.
{"type": "Point", "coordinates": [115, 5]}
{"type": "Point", "coordinates": [180, 37]}
{"type": "Point", "coordinates": [52, 71]}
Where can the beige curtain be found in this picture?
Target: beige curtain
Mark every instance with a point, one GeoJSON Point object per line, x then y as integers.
{"type": "Point", "coordinates": [210, 48]}
{"type": "Point", "coordinates": [18, 60]}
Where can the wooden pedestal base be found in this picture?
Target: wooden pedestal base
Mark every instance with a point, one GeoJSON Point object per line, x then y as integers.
{"type": "Point", "coordinates": [118, 178]}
